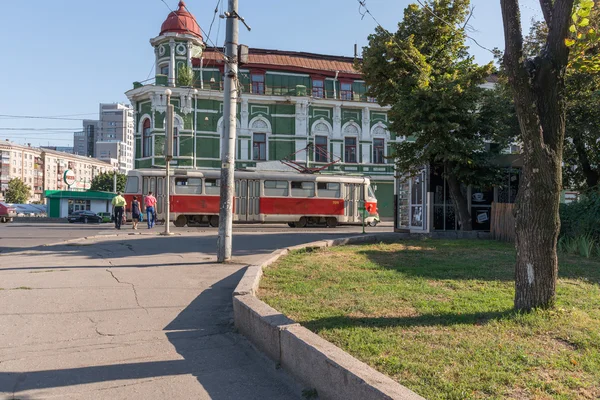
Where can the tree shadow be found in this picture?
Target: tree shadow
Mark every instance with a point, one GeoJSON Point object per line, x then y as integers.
{"type": "Point", "coordinates": [424, 320]}
{"type": "Point", "coordinates": [223, 362]}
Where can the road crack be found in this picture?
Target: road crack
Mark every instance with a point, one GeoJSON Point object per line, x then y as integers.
{"type": "Point", "coordinates": [132, 287]}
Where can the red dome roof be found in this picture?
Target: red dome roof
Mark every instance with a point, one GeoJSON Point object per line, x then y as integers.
{"type": "Point", "coordinates": [181, 21]}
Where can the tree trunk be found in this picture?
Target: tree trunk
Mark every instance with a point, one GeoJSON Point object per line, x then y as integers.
{"type": "Point", "coordinates": [538, 91]}
{"type": "Point", "coordinates": [591, 175]}
{"type": "Point", "coordinates": [461, 204]}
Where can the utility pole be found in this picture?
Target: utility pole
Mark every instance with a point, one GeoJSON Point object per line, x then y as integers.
{"type": "Point", "coordinates": [115, 181]}
{"type": "Point", "coordinates": [168, 157]}
{"type": "Point", "coordinates": [229, 134]}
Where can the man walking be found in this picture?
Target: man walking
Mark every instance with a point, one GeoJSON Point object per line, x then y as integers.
{"type": "Point", "coordinates": [150, 203]}
{"type": "Point", "coordinates": [119, 204]}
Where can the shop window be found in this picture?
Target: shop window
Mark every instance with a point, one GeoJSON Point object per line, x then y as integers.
{"type": "Point", "coordinates": [329, 189]}
{"type": "Point", "coordinates": [378, 151]}
{"type": "Point", "coordinates": [318, 88]}
{"type": "Point", "coordinates": [276, 188]}
{"type": "Point", "coordinates": [350, 150]}
{"type": "Point", "coordinates": [259, 146]}
{"type": "Point", "coordinates": [258, 83]}
{"type": "Point", "coordinates": [212, 186]}
{"type": "Point", "coordinates": [321, 148]}
{"type": "Point", "coordinates": [303, 189]}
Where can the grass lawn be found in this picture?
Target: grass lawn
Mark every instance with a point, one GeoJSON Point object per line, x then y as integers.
{"type": "Point", "coordinates": [436, 315]}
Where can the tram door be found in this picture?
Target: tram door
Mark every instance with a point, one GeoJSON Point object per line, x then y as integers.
{"type": "Point", "coordinates": [156, 186]}
{"type": "Point", "coordinates": [247, 192]}
{"type": "Point", "coordinates": [352, 196]}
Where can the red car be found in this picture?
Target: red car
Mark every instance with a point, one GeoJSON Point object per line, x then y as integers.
{"type": "Point", "coordinates": [7, 213]}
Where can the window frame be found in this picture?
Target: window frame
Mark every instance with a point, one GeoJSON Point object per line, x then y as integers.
{"type": "Point", "coordinates": [258, 87]}
{"type": "Point", "coordinates": [317, 155]}
{"type": "Point", "coordinates": [375, 148]}
{"type": "Point", "coordinates": [320, 91]}
{"type": "Point", "coordinates": [346, 94]}
{"type": "Point", "coordinates": [354, 146]}
{"type": "Point", "coordinates": [162, 67]}
{"type": "Point", "coordinates": [255, 142]}
{"type": "Point", "coordinates": [302, 188]}
{"type": "Point", "coordinates": [217, 184]}
{"type": "Point", "coordinates": [265, 188]}
{"type": "Point", "coordinates": [146, 138]}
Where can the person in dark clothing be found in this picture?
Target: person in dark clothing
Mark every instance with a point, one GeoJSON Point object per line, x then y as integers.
{"type": "Point", "coordinates": [119, 204]}
{"type": "Point", "coordinates": [135, 212]}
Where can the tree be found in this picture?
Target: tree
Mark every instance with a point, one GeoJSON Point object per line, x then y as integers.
{"type": "Point", "coordinates": [581, 159]}
{"type": "Point", "coordinates": [538, 87]}
{"type": "Point", "coordinates": [185, 76]}
{"type": "Point", "coordinates": [18, 192]}
{"type": "Point", "coordinates": [104, 182]}
{"type": "Point", "coordinates": [424, 72]}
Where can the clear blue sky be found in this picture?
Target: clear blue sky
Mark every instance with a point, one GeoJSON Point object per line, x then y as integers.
{"type": "Point", "coordinates": [65, 57]}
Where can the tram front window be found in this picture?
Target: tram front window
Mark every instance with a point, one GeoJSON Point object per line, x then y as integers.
{"type": "Point", "coordinates": [370, 191]}
{"type": "Point", "coordinates": [132, 186]}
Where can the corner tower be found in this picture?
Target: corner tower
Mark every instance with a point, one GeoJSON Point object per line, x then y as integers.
{"type": "Point", "coordinates": [179, 41]}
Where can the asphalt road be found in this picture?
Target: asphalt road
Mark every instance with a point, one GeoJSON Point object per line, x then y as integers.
{"type": "Point", "coordinates": [133, 316]}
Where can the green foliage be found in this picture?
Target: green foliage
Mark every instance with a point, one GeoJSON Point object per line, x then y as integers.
{"type": "Point", "coordinates": [433, 87]}
{"type": "Point", "coordinates": [185, 76]}
{"type": "Point", "coordinates": [18, 192]}
{"type": "Point", "coordinates": [581, 218]}
{"type": "Point", "coordinates": [104, 182]}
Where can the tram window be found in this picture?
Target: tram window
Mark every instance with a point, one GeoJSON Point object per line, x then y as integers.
{"type": "Point", "coordinates": [212, 186]}
{"type": "Point", "coordinates": [188, 186]}
{"type": "Point", "coordinates": [329, 189]}
{"type": "Point", "coordinates": [371, 192]}
{"type": "Point", "coordinates": [133, 183]}
{"type": "Point", "coordinates": [276, 188]}
{"type": "Point", "coordinates": [303, 189]}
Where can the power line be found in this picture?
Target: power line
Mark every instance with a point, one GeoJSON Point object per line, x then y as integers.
{"type": "Point", "coordinates": [451, 26]}
{"type": "Point", "coordinates": [40, 117]}
{"type": "Point", "coordinates": [362, 4]}
{"type": "Point", "coordinates": [214, 16]}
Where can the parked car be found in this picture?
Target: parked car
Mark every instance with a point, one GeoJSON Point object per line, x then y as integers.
{"type": "Point", "coordinates": [7, 213]}
{"type": "Point", "coordinates": [106, 216]}
{"type": "Point", "coordinates": [84, 216]}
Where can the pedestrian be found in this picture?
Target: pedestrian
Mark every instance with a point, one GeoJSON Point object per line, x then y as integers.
{"type": "Point", "coordinates": [150, 202]}
{"type": "Point", "coordinates": [135, 212]}
{"type": "Point", "coordinates": [118, 203]}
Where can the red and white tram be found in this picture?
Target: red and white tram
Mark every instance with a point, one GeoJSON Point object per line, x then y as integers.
{"type": "Point", "coordinates": [260, 197]}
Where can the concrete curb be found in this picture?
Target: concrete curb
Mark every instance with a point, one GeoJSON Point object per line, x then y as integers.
{"type": "Point", "coordinates": [318, 364]}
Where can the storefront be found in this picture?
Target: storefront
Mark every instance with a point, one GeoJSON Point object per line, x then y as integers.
{"type": "Point", "coordinates": [424, 204]}
{"type": "Point", "coordinates": [61, 203]}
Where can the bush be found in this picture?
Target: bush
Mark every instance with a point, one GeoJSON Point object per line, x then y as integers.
{"type": "Point", "coordinates": [580, 226]}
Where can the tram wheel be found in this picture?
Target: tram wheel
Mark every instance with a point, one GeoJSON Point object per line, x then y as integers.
{"type": "Point", "coordinates": [292, 224]}
{"type": "Point", "coordinates": [331, 222]}
{"type": "Point", "coordinates": [214, 221]}
{"type": "Point", "coordinates": [180, 221]}
{"type": "Point", "coordinates": [302, 222]}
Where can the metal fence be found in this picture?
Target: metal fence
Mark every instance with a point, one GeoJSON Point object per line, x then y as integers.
{"type": "Point", "coordinates": [503, 222]}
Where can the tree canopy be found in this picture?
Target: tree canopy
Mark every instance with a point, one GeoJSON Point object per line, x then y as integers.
{"type": "Point", "coordinates": [104, 182]}
{"type": "Point", "coordinates": [434, 88]}
{"type": "Point", "coordinates": [18, 192]}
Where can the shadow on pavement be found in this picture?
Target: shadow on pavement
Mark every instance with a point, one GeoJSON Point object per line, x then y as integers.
{"type": "Point", "coordinates": [223, 362]}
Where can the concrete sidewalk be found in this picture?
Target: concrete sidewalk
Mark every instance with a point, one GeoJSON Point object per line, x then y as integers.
{"type": "Point", "coordinates": [136, 317]}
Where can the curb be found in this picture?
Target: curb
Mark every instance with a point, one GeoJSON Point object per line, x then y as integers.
{"type": "Point", "coordinates": [332, 372]}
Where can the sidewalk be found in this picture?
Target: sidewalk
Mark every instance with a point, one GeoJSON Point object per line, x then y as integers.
{"type": "Point", "coordinates": [120, 318]}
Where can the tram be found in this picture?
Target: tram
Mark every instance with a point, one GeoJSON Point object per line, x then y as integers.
{"type": "Point", "coordinates": [297, 199]}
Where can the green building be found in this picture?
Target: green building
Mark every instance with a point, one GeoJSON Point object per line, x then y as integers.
{"type": "Point", "coordinates": [288, 102]}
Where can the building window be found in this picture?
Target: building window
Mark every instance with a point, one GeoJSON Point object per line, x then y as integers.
{"type": "Point", "coordinates": [378, 151]}
{"type": "Point", "coordinates": [350, 150]}
{"type": "Point", "coordinates": [258, 83]}
{"type": "Point", "coordinates": [345, 90]}
{"type": "Point", "coordinates": [259, 146]}
{"type": "Point", "coordinates": [146, 139]}
{"type": "Point", "coordinates": [318, 88]}
{"type": "Point", "coordinates": [321, 148]}
{"type": "Point", "coordinates": [164, 69]}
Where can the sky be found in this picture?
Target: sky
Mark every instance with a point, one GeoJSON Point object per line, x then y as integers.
{"type": "Point", "coordinates": [63, 58]}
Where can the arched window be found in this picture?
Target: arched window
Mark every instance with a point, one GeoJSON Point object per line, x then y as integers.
{"type": "Point", "coordinates": [146, 139]}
